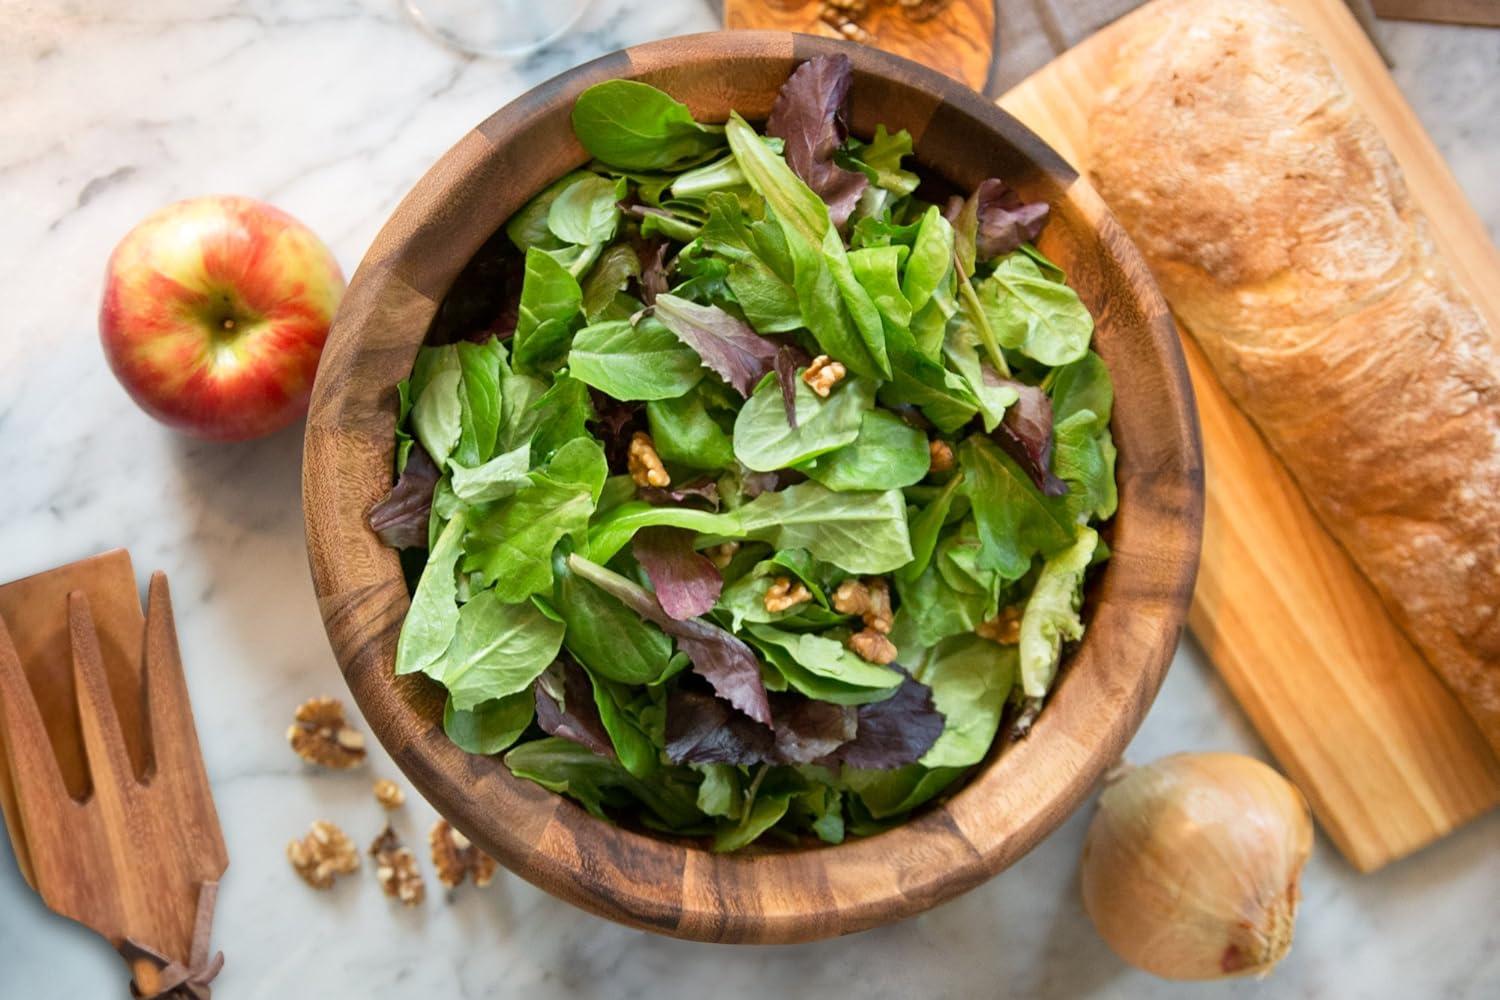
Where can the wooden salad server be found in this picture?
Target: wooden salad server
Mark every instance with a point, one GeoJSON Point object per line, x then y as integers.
{"type": "Point", "coordinates": [958, 39]}
{"type": "Point", "coordinates": [101, 775]}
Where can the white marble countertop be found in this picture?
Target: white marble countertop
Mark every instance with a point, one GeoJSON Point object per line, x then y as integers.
{"type": "Point", "coordinates": [332, 109]}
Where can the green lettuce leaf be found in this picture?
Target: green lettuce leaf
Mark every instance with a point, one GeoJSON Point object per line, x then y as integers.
{"type": "Point", "coordinates": [1051, 616]}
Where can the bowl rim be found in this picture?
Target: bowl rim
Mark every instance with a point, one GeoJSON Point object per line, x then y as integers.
{"type": "Point", "coordinates": [667, 886]}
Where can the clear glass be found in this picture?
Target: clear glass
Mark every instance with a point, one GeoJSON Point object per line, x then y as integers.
{"type": "Point", "coordinates": [504, 28]}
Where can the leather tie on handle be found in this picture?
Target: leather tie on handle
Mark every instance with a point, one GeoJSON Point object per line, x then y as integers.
{"type": "Point", "coordinates": [178, 981]}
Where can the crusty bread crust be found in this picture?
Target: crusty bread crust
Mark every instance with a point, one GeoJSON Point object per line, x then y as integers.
{"type": "Point", "coordinates": [1282, 232]}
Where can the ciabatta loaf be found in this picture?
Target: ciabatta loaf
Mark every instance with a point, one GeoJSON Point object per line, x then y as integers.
{"type": "Point", "coordinates": [1281, 231]}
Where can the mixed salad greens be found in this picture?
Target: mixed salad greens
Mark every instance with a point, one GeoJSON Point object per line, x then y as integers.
{"type": "Point", "coordinates": [761, 489]}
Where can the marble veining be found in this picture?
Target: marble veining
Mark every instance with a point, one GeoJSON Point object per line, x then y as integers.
{"type": "Point", "coordinates": [332, 109]}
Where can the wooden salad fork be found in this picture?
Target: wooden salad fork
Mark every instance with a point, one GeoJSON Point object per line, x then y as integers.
{"type": "Point", "coordinates": [138, 857]}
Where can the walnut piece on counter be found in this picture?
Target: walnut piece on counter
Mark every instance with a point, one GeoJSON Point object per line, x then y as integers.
{"type": "Point", "coordinates": [940, 454]}
{"type": "Point", "coordinates": [784, 594]}
{"type": "Point", "coordinates": [324, 853]}
{"type": "Point", "coordinates": [396, 868]}
{"type": "Point", "coordinates": [872, 646]}
{"type": "Point", "coordinates": [320, 735]}
{"type": "Point", "coordinates": [389, 794]}
{"type": "Point", "coordinates": [644, 464]}
{"type": "Point", "coordinates": [870, 598]}
{"type": "Point", "coordinates": [1004, 628]}
{"type": "Point", "coordinates": [823, 374]}
{"type": "Point", "coordinates": [455, 857]}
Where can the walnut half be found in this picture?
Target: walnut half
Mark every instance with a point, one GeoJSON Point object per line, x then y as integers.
{"type": "Point", "coordinates": [784, 594]}
{"type": "Point", "coordinates": [1004, 628]}
{"type": "Point", "coordinates": [869, 598]}
{"type": "Point", "coordinates": [872, 646]}
{"type": "Point", "coordinates": [455, 857]}
{"type": "Point", "coordinates": [644, 464]}
{"type": "Point", "coordinates": [320, 735]}
{"type": "Point", "coordinates": [823, 374]}
{"type": "Point", "coordinates": [389, 794]}
{"type": "Point", "coordinates": [324, 853]}
{"type": "Point", "coordinates": [396, 868]}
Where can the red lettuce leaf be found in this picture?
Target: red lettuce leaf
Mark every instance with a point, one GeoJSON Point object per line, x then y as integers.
{"type": "Point", "coordinates": [702, 729]}
{"type": "Point", "coordinates": [1025, 434]}
{"type": "Point", "coordinates": [729, 666]}
{"type": "Point", "coordinates": [810, 117]}
{"type": "Point", "coordinates": [614, 424]}
{"type": "Point", "coordinates": [726, 344]}
{"type": "Point", "coordinates": [687, 583]}
{"type": "Point", "coordinates": [653, 255]}
{"type": "Point", "coordinates": [789, 357]}
{"type": "Point", "coordinates": [702, 493]}
{"type": "Point", "coordinates": [753, 484]}
{"type": "Point", "coordinates": [1005, 221]}
{"type": "Point", "coordinates": [565, 707]}
{"type": "Point", "coordinates": [894, 732]}
{"type": "Point", "coordinates": [400, 517]}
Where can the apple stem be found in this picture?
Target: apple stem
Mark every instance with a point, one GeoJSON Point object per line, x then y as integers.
{"type": "Point", "coordinates": [229, 324]}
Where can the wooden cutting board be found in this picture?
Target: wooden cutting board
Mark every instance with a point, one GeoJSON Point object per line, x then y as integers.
{"type": "Point", "coordinates": [1384, 753]}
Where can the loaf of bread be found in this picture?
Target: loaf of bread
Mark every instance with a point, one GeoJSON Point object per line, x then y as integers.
{"type": "Point", "coordinates": [1281, 231]}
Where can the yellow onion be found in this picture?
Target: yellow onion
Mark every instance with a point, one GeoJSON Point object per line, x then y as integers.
{"type": "Point", "coordinates": [1191, 864]}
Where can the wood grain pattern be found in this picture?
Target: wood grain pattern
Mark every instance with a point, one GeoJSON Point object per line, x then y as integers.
{"type": "Point", "coordinates": [959, 41]}
{"type": "Point", "coordinates": [1485, 13]}
{"type": "Point", "coordinates": [106, 798]}
{"type": "Point", "coordinates": [1387, 757]}
{"type": "Point", "coordinates": [674, 886]}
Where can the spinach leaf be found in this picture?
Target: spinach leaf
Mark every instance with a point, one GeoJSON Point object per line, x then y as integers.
{"type": "Point", "coordinates": [1015, 520]}
{"type": "Point", "coordinates": [510, 545]}
{"type": "Point", "coordinates": [491, 726]}
{"type": "Point", "coordinates": [895, 793]}
{"type": "Point", "coordinates": [634, 362]}
{"type": "Point", "coordinates": [764, 440]}
{"type": "Point", "coordinates": [1083, 385]}
{"type": "Point", "coordinates": [1051, 615]}
{"type": "Point", "coordinates": [549, 312]}
{"type": "Point", "coordinates": [632, 745]}
{"type": "Point", "coordinates": [970, 678]}
{"type": "Point", "coordinates": [720, 794]}
{"type": "Point", "coordinates": [763, 813]}
{"type": "Point", "coordinates": [587, 212]}
{"type": "Point", "coordinates": [887, 454]}
{"type": "Point", "coordinates": [926, 527]}
{"type": "Point", "coordinates": [994, 394]}
{"type": "Point", "coordinates": [760, 272]}
{"type": "Point", "coordinates": [437, 413]}
{"type": "Point", "coordinates": [433, 616]}
{"type": "Point", "coordinates": [608, 638]}
{"type": "Point", "coordinates": [593, 781]}
{"type": "Point", "coordinates": [558, 416]}
{"type": "Point", "coordinates": [726, 344]}
{"type": "Point", "coordinates": [616, 266]}
{"type": "Point", "coordinates": [635, 126]}
{"type": "Point", "coordinates": [498, 650]}
{"type": "Point", "coordinates": [1042, 318]}
{"type": "Point", "coordinates": [479, 400]}
{"type": "Point", "coordinates": [685, 434]}
{"type": "Point", "coordinates": [528, 227]}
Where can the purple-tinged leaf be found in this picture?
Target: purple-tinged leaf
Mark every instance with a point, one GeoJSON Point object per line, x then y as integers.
{"type": "Point", "coordinates": [614, 423]}
{"type": "Point", "coordinates": [701, 493]}
{"type": "Point", "coordinates": [400, 517]}
{"type": "Point", "coordinates": [789, 357]}
{"type": "Point", "coordinates": [808, 730]}
{"type": "Point", "coordinates": [1005, 221]}
{"type": "Point", "coordinates": [893, 732]}
{"type": "Point", "coordinates": [809, 116]}
{"type": "Point", "coordinates": [565, 707]}
{"type": "Point", "coordinates": [653, 255]}
{"type": "Point", "coordinates": [728, 665]}
{"type": "Point", "coordinates": [1025, 434]}
{"type": "Point", "coordinates": [727, 345]}
{"type": "Point", "coordinates": [687, 583]}
{"type": "Point", "coordinates": [753, 484]}
{"type": "Point", "coordinates": [702, 729]}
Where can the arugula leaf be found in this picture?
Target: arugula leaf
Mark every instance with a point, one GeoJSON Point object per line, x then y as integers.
{"type": "Point", "coordinates": [880, 160]}
{"type": "Point", "coordinates": [726, 344]}
{"type": "Point", "coordinates": [587, 212]}
{"type": "Point", "coordinates": [686, 584]}
{"type": "Point", "coordinates": [809, 116]}
{"type": "Point", "coordinates": [1051, 615]}
{"type": "Point", "coordinates": [432, 618]}
{"type": "Point", "coordinates": [634, 362]}
{"type": "Point", "coordinates": [887, 454]}
{"type": "Point", "coordinates": [608, 638]}
{"type": "Point", "coordinates": [718, 657]}
{"type": "Point", "coordinates": [1015, 520]}
{"type": "Point", "coordinates": [498, 650]}
{"type": "Point", "coordinates": [549, 312]}
{"type": "Point", "coordinates": [764, 440]}
{"type": "Point", "coordinates": [1042, 318]}
{"type": "Point", "coordinates": [510, 545]}
{"type": "Point", "coordinates": [491, 726]}
{"type": "Point", "coordinates": [608, 277]}
{"type": "Point", "coordinates": [635, 126]}
{"type": "Point", "coordinates": [970, 678]}
{"type": "Point", "coordinates": [685, 434]}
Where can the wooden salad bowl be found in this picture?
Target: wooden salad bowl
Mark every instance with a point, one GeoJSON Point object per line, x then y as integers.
{"type": "Point", "coordinates": [1135, 608]}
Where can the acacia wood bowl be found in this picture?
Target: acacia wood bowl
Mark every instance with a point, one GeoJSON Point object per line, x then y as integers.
{"type": "Point", "coordinates": [1136, 605]}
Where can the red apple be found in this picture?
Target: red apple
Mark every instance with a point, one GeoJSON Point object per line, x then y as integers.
{"type": "Point", "coordinates": [214, 314]}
